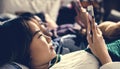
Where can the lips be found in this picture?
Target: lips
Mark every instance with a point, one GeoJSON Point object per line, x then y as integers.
{"type": "Point", "coordinates": [51, 47]}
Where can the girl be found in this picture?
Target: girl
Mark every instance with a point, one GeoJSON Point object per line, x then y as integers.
{"type": "Point", "coordinates": [24, 41]}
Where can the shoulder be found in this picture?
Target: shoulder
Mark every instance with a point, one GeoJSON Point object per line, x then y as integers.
{"type": "Point", "coordinates": [77, 60]}
{"type": "Point", "coordinates": [111, 65]}
{"type": "Point", "coordinates": [13, 65]}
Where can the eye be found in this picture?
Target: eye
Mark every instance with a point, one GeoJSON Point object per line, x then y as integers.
{"type": "Point", "coordinates": [48, 39]}
{"type": "Point", "coordinates": [39, 35]}
{"type": "Point", "coordinates": [43, 23]}
{"type": "Point", "coordinates": [36, 33]}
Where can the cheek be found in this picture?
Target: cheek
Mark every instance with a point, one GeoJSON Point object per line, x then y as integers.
{"type": "Point", "coordinates": [39, 47]}
{"type": "Point", "coordinates": [40, 53]}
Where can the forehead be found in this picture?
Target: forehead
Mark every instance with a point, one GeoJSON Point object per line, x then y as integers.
{"type": "Point", "coordinates": [34, 24]}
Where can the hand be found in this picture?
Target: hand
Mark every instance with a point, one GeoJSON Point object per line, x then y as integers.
{"type": "Point", "coordinates": [97, 43]}
{"type": "Point", "coordinates": [82, 15]}
{"type": "Point", "coordinates": [110, 30]}
{"type": "Point", "coordinates": [51, 25]}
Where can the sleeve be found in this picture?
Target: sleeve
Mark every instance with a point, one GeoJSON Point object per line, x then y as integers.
{"type": "Point", "coordinates": [111, 65]}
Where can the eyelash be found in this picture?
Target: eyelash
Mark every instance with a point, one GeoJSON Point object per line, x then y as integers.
{"type": "Point", "coordinates": [43, 23]}
{"type": "Point", "coordinates": [40, 35]}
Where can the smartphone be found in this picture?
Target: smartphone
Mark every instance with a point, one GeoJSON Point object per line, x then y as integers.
{"type": "Point", "coordinates": [91, 12]}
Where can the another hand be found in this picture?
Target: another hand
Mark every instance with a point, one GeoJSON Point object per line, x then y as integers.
{"type": "Point", "coordinates": [97, 43]}
{"type": "Point", "coordinates": [82, 15]}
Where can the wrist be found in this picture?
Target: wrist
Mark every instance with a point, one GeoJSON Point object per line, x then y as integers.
{"type": "Point", "coordinates": [105, 59]}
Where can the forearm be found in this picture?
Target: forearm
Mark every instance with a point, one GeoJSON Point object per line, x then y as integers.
{"type": "Point", "coordinates": [105, 58]}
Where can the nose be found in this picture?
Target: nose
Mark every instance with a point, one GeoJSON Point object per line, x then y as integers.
{"type": "Point", "coordinates": [45, 30]}
{"type": "Point", "coordinates": [48, 39]}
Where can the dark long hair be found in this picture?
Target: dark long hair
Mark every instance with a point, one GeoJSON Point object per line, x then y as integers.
{"type": "Point", "coordinates": [15, 38]}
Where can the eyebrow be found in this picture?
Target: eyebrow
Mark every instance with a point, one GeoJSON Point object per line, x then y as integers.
{"type": "Point", "coordinates": [36, 32]}
{"type": "Point", "coordinates": [39, 35]}
{"type": "Point", "coordinates": [43, 23]}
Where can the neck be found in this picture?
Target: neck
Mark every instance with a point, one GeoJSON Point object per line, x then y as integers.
{"type": "Point", "coordinates": [45, 66]}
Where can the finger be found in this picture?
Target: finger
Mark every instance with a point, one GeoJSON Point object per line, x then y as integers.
{"type": "Point", "coordinates": [89, 39]}
{"type": "Point", "coordinates": [95, 28]}
{"type": "Point", "coordinates": [98, 31]}
{"type": "Point", "coordinates": [88, 28]}
{"type": "Point", "coordinates": [88, 24]}
{"type": "Point", "coordinates": [77, 11]}
{"type": "Point", "coordinates": [88, 46]}
{"type": "Point", "coordinates": [89, 36]}
{"type": "Point", "coordinates": [77, 19]}
{"type": "Point", "coordinates": [79, 3]}
{"type": "Point", "coordinates": [77, 6]}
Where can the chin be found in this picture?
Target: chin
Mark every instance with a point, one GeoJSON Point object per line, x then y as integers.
{"type": "Point", "coordinates": [53, 54]}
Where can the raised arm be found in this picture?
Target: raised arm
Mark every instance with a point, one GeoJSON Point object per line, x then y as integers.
{"type": "Point", "coordinates": [97, 43]}
{"type": "Point", "coordinates": [82, 15]}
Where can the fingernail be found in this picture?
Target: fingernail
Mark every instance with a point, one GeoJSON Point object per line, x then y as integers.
{"type": "Point", "coordinates": [96, 24]}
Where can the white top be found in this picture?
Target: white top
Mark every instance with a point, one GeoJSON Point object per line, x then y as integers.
{"type": "Point", "coordinates": [112, 65]}
{"type": "Point", "coordinates": [35, 6]}
{"type": "Point", "coordinates": [82, 60]}
{"type": "Point", "coordinates": [76, 60]}
{"type": "Point", "coordinates": [9, 66]}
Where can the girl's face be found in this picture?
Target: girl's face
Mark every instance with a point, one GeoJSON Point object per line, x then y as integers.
{"type": "Point", "coordinates": [41, 47]}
